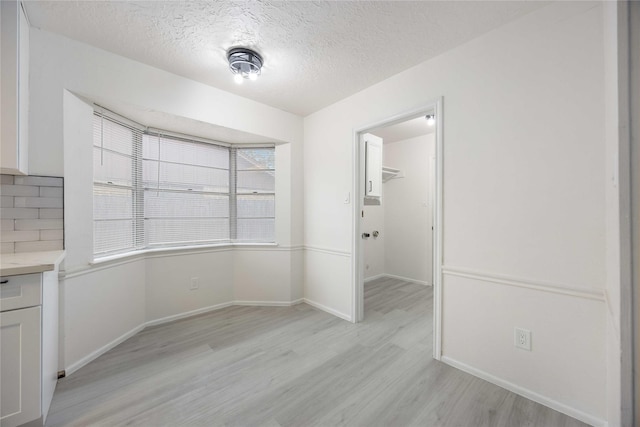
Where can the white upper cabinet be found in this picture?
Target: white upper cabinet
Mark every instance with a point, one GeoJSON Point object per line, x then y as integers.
{"type": "Point", "coordinates": [14, 88]}
{"type": "Point", "coordinates": [373, 166]}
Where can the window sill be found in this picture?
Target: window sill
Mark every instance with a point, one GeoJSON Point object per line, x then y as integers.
{"type": "Point", "coordinates": [179, 250]}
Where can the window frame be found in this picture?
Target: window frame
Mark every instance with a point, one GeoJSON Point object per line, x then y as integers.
{"type": "Point", "coordinates": [138, 189]}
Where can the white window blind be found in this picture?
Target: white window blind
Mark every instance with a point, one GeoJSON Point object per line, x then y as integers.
{"type": "Point", "coordinates": [255, 190]}
{"type": "Point", "coordinates": [116, 173]}
{"type": "Point", "coordinates": [186, 191]}
{"type": "Point", "coordinates": [153, 189]}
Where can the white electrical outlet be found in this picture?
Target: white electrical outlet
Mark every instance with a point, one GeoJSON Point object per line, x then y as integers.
{"type": "Point", "coordinates": [195, 283]}
{"type": "Point", "coordinates": [523, 339]}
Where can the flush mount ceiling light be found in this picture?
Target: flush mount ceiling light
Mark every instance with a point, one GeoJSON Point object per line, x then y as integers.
{"type": "Point", "coordinates": [244, 64]}
{"type": "Point", "coordinates": [431, 119]}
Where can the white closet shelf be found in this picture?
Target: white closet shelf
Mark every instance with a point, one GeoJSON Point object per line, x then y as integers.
{"type": "Point", "coordinates": [391, 173]}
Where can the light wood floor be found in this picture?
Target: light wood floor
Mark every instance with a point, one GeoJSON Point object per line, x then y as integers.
{"type": "Point", "coordinates": [293, 366]}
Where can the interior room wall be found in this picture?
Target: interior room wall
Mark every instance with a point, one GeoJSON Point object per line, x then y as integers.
{"type": "Point", "coordinates": [408, 209]}
{"type": "Point", "coordinates": [267, 280]}
{"type": "Point", "coordinates": [99, 309]}
{"type": "Point", "coordinates": [169, 280]}
{"type": "Point", "coordinates": [524, 201]}
{"type": "Point", "coordinates": [60, 145]}
{"type": "Point", "coordinates": [374, 247]}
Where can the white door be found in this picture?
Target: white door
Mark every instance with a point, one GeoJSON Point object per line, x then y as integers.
{"type": "Point", "coordinates": [19, 366]}
{"type": "Point", "coordinates": [373, 166]}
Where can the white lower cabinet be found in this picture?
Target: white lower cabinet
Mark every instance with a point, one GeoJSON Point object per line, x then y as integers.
{"type": "Point", "coordinates": [28, 347]}
{"type": "Point", "coordinates": [20, 377]}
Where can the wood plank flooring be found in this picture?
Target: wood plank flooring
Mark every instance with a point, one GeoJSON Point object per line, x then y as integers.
{"type": "Point", "coordinates": [291, 366]}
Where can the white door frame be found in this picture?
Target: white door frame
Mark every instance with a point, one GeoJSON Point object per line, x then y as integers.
{"type": "Point", "coordinates": [357, 260]}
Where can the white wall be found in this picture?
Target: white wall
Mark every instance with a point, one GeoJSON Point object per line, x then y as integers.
{"type": "Point", "coordinates": [98, 309]}
{"type": "Point", "coordinates": [408, 209]}
{"type": "Point", "coordinates": [524, 200]}
{"type": "Point", "coordinates": [323, 269]}
{"type": "Point", "coordinates": [264, 277]}
{"type": "Point", "coordinates": [168, 281]}
{"type": "Point", "coordinates": [374, 247]}
{"type": "Point", "coordinates": [154, 288]}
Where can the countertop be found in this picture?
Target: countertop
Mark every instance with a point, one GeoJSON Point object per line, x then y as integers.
{"type": "Point", "coordinates": [29, 262]}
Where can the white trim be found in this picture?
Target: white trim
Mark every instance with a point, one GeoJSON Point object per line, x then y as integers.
{"type": "Point", "coordinates": [357, 261]}
{"type": "Point", "coordinates": [121, 259]}
{"type": "Point", "coordinates": [269, 303]}
{"type": "Point", "coordinates": [186, 314]}
{"type": "Point", "coordinates": [329, 251]}
{"type": "Point", "coordinates": [574, 291]}
{"type": "Point", "coordinates": [251, 248]}
{"type": "Point", "coordinates": [102, 350]}
{"type": "Point", "coordinates": [327, 309]}
{"type": "Point", "coordinates": [182, 250]}
{"type": "Point", "coordinates": [376, 277]}
{"type": "Point", "coordinates": [93, 268]}
{"type": "Point", "coordinates": [394, 276]}
{"type": "Point", "coordinates": [408, 279]}
{"type": "Point", "coordinates": [529, 394]}
{"type": "Point", "coordinates": [438, 227]}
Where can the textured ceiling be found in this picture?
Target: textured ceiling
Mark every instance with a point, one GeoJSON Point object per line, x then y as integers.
{"type": "Point", "coordinates": [315, 53]}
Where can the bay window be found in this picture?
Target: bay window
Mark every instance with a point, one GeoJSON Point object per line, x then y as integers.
{"type": "Point", "coordinates": [154, 189]}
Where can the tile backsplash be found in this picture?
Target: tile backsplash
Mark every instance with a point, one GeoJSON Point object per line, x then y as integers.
{"type": "Point", "coordinates": [32, 213]}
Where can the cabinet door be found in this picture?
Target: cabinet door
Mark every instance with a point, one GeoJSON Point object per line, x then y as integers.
{"type": "Point", "coordinates": [373, 165]}
{"type": "Point", "coordinates": [14, 85]}
{"type": "Point", "coordinates": [19, 366]}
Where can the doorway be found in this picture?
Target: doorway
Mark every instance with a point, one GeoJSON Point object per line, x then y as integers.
{"type": "Point", "coordinates": [365, 216]}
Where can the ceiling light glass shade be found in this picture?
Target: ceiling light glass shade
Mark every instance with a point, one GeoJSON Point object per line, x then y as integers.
{"type": "Point", "coordinates": [431, 120]}
{"type": "Point", "coordinates": [244, 63]}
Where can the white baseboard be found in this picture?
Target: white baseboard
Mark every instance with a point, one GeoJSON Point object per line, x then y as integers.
{"type": "Point", "coordinates": [269, 303]}
{"type": "Point", "coordinates": [394, 276]}
{"type": "Point", "coordinates": [327, 309]}
{"type": "Point", "coordinates": [376, 277]}
{"type": "Point", "coordinates": [408, 279]}
{"type": "Point", "coordinates": [186, 314]}
{"type": "Point", "coordinates": [529, 394]}
{"type": "Point", "coordinates": [102, 350]}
